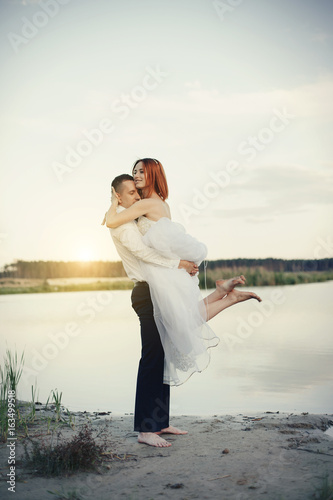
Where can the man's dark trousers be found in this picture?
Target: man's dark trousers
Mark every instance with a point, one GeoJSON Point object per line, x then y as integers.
{"type": "Point", "coordinates": [152, 395]}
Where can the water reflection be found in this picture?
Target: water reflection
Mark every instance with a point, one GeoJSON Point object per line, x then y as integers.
{"type": "Point", "coordinates": [280, 360]}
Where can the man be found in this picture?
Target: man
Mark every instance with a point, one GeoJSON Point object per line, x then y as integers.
{"type": "Point", "coordinates": [151, 416]}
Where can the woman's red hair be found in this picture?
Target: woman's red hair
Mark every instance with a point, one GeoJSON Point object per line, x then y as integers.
{"type": "Point", "coordinates": [155, 177]}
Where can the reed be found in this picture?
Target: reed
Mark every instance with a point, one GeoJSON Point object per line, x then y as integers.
{"type": "Point", "coordinates": [57, 402]}
{"type": "Point", "coordinates": [10, 374]}
{"type": "Point", "coordinates": [3, 405]}
{"type": "Point", "coordinates": [32, 414]}
{"type": "Point", "coordinates": [14, 368]}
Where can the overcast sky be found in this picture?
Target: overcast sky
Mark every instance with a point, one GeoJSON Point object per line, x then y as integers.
{"type": "Point", "coordinates": [235, 98]}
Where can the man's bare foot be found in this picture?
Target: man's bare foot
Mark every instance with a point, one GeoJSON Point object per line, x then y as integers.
{"type": "Point", "coordinates": [238, 296]}
{"type": "Point", "coordinates": [226, 286]}
{"type": "Point", "coordinates": [172, 430]}
{"type": "Point", "coordinates": [152, 439]}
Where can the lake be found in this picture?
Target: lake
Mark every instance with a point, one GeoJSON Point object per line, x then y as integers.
{"type": "Point", "coordinates": [273, 356]}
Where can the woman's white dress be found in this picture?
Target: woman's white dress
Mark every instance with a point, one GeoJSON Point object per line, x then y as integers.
{"type": "Point", "coordinates": [179, 311]}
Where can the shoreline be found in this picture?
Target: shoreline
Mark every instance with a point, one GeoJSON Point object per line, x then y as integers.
{"type": "Point", "coordinates": [11, 286]}
{"type": "Point", "coordinates": [266, 455]}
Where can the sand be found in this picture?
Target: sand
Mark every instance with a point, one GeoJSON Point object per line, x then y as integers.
{"type": "Point", "coordinates": [237, 457]}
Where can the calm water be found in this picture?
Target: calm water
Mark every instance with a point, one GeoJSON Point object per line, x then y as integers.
{"type": "Point", "coordinates": [277, 355]}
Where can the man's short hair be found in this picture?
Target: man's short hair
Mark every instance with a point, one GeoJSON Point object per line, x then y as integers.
{"type": "Point", "coordinates": [117, 181]}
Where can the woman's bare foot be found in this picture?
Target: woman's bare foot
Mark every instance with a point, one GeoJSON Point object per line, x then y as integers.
{"type": "Point", "coordinates": [238, 296]}
{"type": "Point", "coordinates": [152, 439]}
{"type": "Point", "coordinates": [172, 430]}
{"type": "Point", "coordinates": [226, 286]}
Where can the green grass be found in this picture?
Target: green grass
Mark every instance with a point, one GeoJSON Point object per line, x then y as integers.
{"type": "Point", "coordinates": [255, 276]}
{"type": "Point", "coordinates": [84, 287]}
{"type": "Point", "coordinates": [261, 277]}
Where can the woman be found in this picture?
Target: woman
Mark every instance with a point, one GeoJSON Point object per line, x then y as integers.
{"type": "Point", "coordinates": [180, 313]}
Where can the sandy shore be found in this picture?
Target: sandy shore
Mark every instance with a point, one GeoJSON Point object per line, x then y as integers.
{"type": "Point", "coordinates": [234, 457]}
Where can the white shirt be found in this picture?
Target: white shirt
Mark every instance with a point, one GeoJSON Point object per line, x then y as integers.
{"type": "Point", "coordinates": [131, 249]}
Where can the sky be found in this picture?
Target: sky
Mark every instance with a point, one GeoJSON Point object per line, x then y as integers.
{"type": "Point", "coordinates": [235, 98]}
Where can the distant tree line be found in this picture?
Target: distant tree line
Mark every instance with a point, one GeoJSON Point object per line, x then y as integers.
{"type": "Point", "coordinates": [276, 265]}
{"type": "Point", "coordinates": [101, 269]}
{"type": "Point", "coordinates": [57, 269]}
{"type": "Point", "coordinates": [268, 272]}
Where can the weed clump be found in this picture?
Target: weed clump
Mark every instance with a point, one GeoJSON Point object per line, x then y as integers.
{"type": "Point", "coordinates": [80, 453]}
{"type": "Point", "coordinates": [325, 491]}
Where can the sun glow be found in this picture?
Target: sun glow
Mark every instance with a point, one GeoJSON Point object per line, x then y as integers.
{"type": "Point", "coordinates": [85, 255]}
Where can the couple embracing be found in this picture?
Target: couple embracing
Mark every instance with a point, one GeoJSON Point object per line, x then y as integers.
{"type": "Point", "coordinates": [163, 261]}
